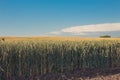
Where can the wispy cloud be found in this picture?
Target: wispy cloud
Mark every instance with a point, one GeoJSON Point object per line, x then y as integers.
{"type": "Point", "coordinates": [55, 32]}
{"type": "Point", "coordinates": [84, 29]}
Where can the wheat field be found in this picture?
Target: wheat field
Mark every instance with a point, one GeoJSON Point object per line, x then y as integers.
{"type": "Point", "coordinates": [28, 56]}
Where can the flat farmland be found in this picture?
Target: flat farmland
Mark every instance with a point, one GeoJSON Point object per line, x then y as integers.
{"type": "Point", "coordinates": [54, 38]}
{"type": "Point", "coordinates": [59, 58]}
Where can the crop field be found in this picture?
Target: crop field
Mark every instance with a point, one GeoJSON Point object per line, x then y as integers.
{"type": "Point", "coordinates": [28, 57]}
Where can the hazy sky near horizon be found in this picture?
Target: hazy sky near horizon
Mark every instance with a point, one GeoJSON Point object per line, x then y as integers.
{"type": "Point", "coordinates": [59, 17]}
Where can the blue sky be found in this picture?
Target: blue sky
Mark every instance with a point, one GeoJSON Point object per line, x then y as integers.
{"type": "Point", "coordinates": [51, 17]}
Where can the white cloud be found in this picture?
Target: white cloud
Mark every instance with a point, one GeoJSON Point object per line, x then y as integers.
{"type": "Point", "coordinates": [82, 30]}
{"type": "Point", "coordinates": [56, 32]}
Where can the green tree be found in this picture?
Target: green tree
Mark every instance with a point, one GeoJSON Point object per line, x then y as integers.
{"type": "Point", "coordinates": [105, 36]}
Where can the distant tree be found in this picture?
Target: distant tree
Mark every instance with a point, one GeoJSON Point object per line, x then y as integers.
{"type": "Point", "coordinates": [3, 39]}
{"type": "Point", "coordinates": [105, 36]}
